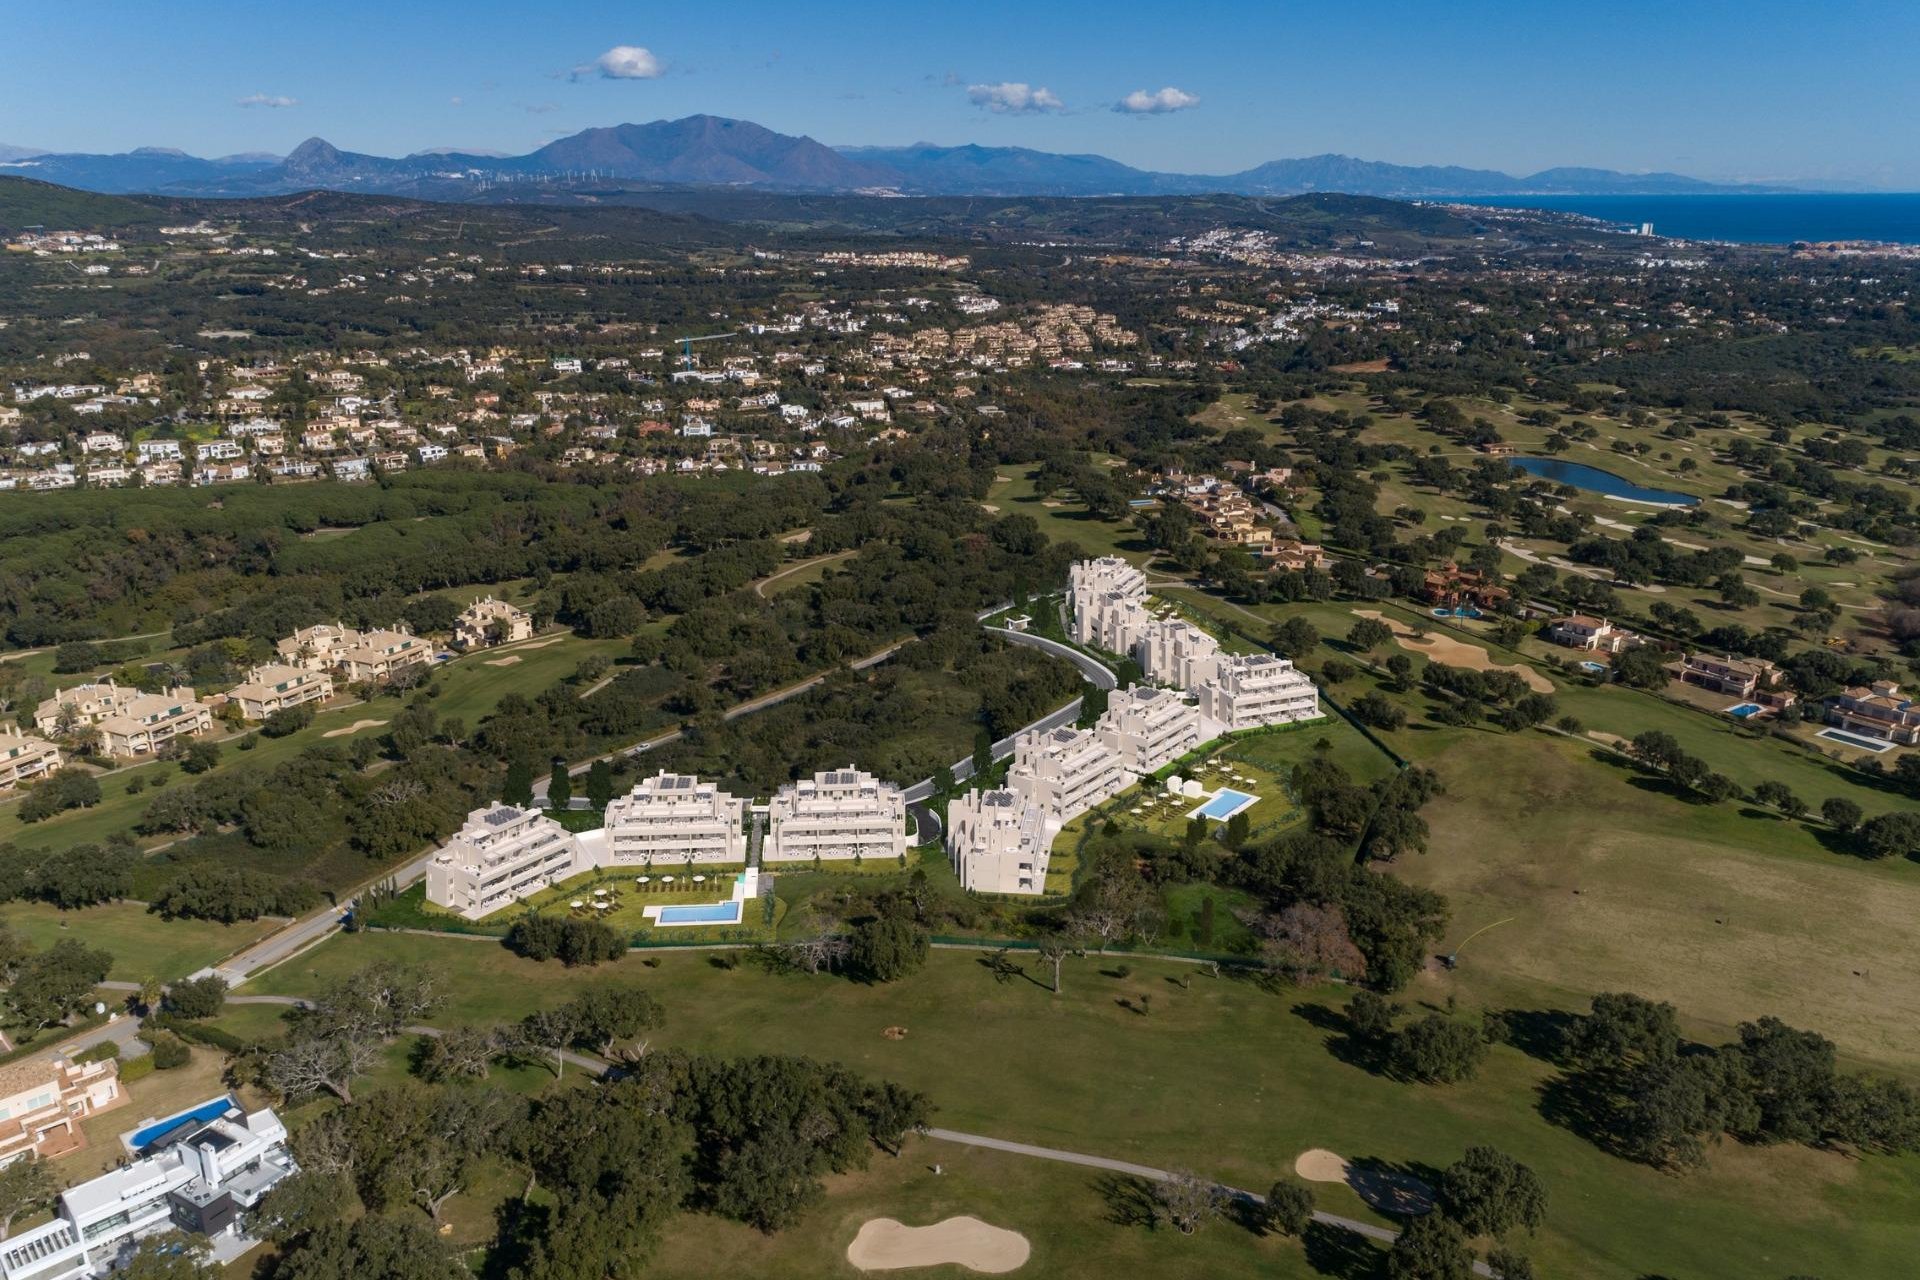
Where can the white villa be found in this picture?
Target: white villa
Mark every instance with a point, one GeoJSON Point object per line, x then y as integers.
{"type": "Point", "coordinates": [489, 622]}
{"type": "Point", "coordinates": [200, 1176]}
{"type": "Point", "coordinates": [999, 843]}
{"type": "Point", "coordinates": [1148, 727]}
{"type": "Point", "coordinates": [23, 758]}
{"type": "Point", "coordinates": [674, 817]}
{"type": "Point", "coordinates": [276, 686]}
{"type": "Point", "coordinates": [1066, 771]}
{"type": "Point", "coordinates": [839, 813]}
{"type": "Point", "coordinates": [1252, 690]}
{"type": "Point", "coordinates": [81, 705]}
{"type": "Point", "coordinates": [502, 854]}
{"type": "Point", "coordinates": [357, 656]}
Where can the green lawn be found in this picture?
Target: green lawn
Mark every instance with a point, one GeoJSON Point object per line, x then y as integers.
{"type": "Point", "coordinates": [1064, 518]}
{"type": "Point", "coordinates": [1225, 1077]}
{"type": "Point", "coordinates": [143, 944]}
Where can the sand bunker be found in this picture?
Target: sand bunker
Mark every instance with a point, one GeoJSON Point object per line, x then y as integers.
{"type": "Point", "coordinates": [355, 727]}
{"type": "Point", "coordinates": [1382, 1186]}
{"type": "Point", "coordinates": [507, 661]}
{"type": "Point", "coordinates": [884, 1244]}
{"type": "Point", "coordinates": [541, 644]}
{"type": "Point", "coordinates": [1456, 653]}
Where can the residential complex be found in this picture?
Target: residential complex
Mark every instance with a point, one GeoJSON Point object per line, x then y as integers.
{"type": "Point", "coordinates": [44, 1098]}
{"type": "Point", "coordinates": [500, 855]}
{"type": "Point", "coordinates": [674, 817]}
{"type": "Point", "coordinates": [1878, 711]}
{"type": "Point", "coordinates": [1594, 635]}
{"type": "Point", "coordinates": [1178, 653]}
{"type": "Point", "coordinates": [1066, 771]}
{"type": "Point", "coordinates": [839, 813]}
{"type": "Point", "coordinates": [147, 722]}
{"type": "Point", "coordinates": [488, 622]}
{"type": "Point", "coordinates": [199, 1176]}
{"type": "Point", "coordinates": [276, 686]}
{"type": "Point", "coordinates": [25, 759]}
{"type": "Point", "coordinates": [84, 704]}
{"type": "Point", "coordinates": [1754, 679]}
{"type": "Point", "coordinates": [358, 657]}
{"type": "Point", "coordinates": [999, 842]}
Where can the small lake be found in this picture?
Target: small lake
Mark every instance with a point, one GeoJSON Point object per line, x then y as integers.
{"type": "Point", "coordinates": [1593, 479]}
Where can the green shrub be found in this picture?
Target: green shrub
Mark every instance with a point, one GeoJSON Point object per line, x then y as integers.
{"type": "Point", "coordinates": [170, 1052]}
{"type": "Point", "coordinates": [137, 1068]}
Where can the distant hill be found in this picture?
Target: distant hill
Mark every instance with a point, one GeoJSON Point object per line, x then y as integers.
{"type": "Point", "coordinates": [712, 151]}
{"type": "Point", "coordinates": [26, 202]}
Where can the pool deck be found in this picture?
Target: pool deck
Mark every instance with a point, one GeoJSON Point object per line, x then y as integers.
{"type": "Point", "coordinates": [1246, 801]}
{"type": "Point", "coordinates": [745, 885]}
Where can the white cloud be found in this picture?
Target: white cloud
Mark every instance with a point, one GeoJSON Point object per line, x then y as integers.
{"type": "Point", "coordinates": [622, 62]}
{"type": "Point", "coordinates": [1142, 103]}
{"type": "Point", "coordinates": [1014, 98]}
{"type": "Point", "coordinates": [267, 100]}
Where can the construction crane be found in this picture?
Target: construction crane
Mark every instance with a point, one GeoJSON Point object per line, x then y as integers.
{"type": "Point", "coordinates": [686, 347]}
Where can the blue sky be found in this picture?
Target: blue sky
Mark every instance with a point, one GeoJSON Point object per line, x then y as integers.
{"type": "Point", "coordinates": [1757, 90]}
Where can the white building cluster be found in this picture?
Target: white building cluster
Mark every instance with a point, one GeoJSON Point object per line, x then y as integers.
{"type": "Point", "coordinates": [999, 840]}
{"type": "Point", "coordinates": [505, 853]}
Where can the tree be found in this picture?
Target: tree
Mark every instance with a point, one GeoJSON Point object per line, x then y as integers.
{"type": "Point", "coordinates": [1437, 1049]}
{"type": "Point", "coordinates": [53, 985]}
{"type": "Point", "coordinates": [171, 1255]}
{"type": "Point", "coordinates": [374, 1245]}
{"type": "Point", "coordinates": [199, 755]}
{"type": "Point", "coordinates": [600, 788]}
{"type": "Point", "coordinates": [1289, 1208]}
{"type": "Point", "coordinates": [517, 790]}
{"type": "Point", "coordinates": [68, 788]}
{"type": "Point", "coordinates": [551, 1029]}
{"type": "Point", "coordinates": [604, 1016]}
{"type": "Point", "coordinates": [1369, 634]}
{"type": "Point", "coordinates": [1054, 951]}
{"type": "Point", "coordinates": [1189, 1201]}
{"type": "Point", "coordinates": [312, 1065]}
{"type": "Point", "coordinates": [152, 990]}
{"type": "Point", "coordinates": [1641, 667]}
{"type": "Point", "coordinates": [1375, 710]}
{"type": "Point", "coordinates": [1840, 813]}
{"type": "Point", "coordinates": [1295, 638]}
{"type": "Point", "coordinates": [1891, 834]}
{"type": "Point", "coordinates": [1489, 1193]}
{"type": "Point", "coordinates": [1509, 1264]}
{"type": "Point", "coordinates": [461, 1053]}
{"type": "Point", "coordinates": [1624, 1030]}
{"type": "Point", "coordinates": [1370, 1016]}
{"type": "Point", "coordinates": [888, 948]}
{"type": "Point", "coordinates": [559, 785]}
{"type": "Point", "coordinates": [1430, 1248]}
{"type": "Point", "coordinates": [299, 1205]}
{"type": "Point", "coordinates": [197, 997]}
{"type": "Point", "coordinates": [1306, 941]}
{"type": "Point", "coordinates": [25, 1187]}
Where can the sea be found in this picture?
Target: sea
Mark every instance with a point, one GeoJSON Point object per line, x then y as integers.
{"type": "Point", "coordinates": [1743, 219]}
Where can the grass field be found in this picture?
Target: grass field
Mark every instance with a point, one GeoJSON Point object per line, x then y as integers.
{"type": "Point", "coordinates": [143, 944]}
{"type": "Point", "coordinates": [1225, 1077]}
{"type": "Point", "coordinates": [1064, 518]}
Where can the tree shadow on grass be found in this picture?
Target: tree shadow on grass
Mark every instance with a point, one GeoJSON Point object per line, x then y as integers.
{"type": "Point", "coordinates": [1541, 1034]}
{"type": "Point", "coordinates": [1336, 1251]}
{"type": "Point", "coordinates": [1846, 844]}
{"type": "Point", "coordinates": [1340, 1040]}
{"type": "Point", "coordinates": [1581, 1102]}
{"type": "Point", "coordinates": [1400, 1189]}
{"type": "Point", "coordinates": [1129, 1200]}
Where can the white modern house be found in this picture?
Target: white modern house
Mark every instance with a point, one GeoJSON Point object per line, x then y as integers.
{"type": "Point", "coordinates": [1252, 690]}
{"type": "Point", "coordinates": [500, 855]}
{"type": "Point", "coordinates": [674, 818]}
{"type": "Point", "coordinates": [275, 686]}
{"type": "Point", "coordinates": [1066, 771]}
{"type": "Point", "coordinates": [837, 813]}
{"type": "Point", "coordinates": [201, 1175]}
{"type": "Point", "coordinates": [1148, 727]}
{"type": "Point", "coordinates": [1106, 575]}
{"type": "Point", "coordinates": [998, 842]}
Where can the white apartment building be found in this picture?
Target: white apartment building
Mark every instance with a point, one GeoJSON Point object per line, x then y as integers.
{"type": "Point", "coordinates": [146, 722]}
{"type": "Point", "coordinates": [1252, 690]}
{"type": "Point", "coordinates": [1111, 621]}
{"type": "Point", "coordinates": [276, 686]}
{"type": "Point", "coordinates": [1148, 727]}
{"type": "Point", "coordinates": [199, 1176]}
{"type": "Point", "coordinates": [838, 813]}
{"type": "Point", "coordinates": [674, 818]}
{"type": "Point", "coordinates": [501, 854]}
{"type": "Point", "coordinates": [1104, 575]}
{"type": "Point", "coordinates": [1066, 771]}
{"type": "Point", "coordinates": [25, 759]}
{"type": "Point", "coordinates": [1177, 653]}
{"type": "Point", "coordinates": [83, 704]}
{"type": "Point", "coordinates": [998, 842]}
{"type": "Point", "coordinates": [488, 622]}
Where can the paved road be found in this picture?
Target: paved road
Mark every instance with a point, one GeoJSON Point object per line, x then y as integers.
{"type": "Point", "coordinates": [1096, 672]}
{"type": "Point", "coordinates": [1368, 1229]}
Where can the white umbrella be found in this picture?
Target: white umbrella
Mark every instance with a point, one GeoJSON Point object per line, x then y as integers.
{"type": "Point", "coordinates": [699, 879]}
{"type": "Point", "coordinates": [666, 879]}
{"type": "Point", "coordinates": [641, 879]}
{"type": "Point", "coordinates": [602, 906]}
{"type": "Point", "coordinates": [576, 903]}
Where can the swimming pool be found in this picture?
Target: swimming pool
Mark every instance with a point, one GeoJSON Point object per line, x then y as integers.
{"type": "Point", "coordinates": [1846, 739]}
{"type": "Point", "coordinates": [1745, 709]}
{"type": "Point", "coordinates": [146, 1135]}
{"type": "Point", "coordinates": [1595, 667]}
{"type": "Point", "coordinates": [705, 913]}
{"type": "Point", "coordinates": [1459, 611]}
{"type": "Point", "coordinates": [1225, 803]}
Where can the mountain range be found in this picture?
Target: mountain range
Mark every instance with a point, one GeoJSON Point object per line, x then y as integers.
{"type": "Point", "coordinates": [709, 151]}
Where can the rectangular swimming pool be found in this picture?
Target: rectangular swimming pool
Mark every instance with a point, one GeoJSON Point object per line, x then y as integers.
{"type": "Point", "coordinates": [1225, 803]}
{"type": "Point", "coordinates": [706, 913]}
{"type": "Point", "coordinates": [1745, 709]}
{"type": "Point", "coordinates": [1855, 740]}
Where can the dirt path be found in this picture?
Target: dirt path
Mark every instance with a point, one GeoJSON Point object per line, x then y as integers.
{"type": "Point", "coordinates": [760, 587]}
{"type": "Point", "coordinates": [1456, 653]}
